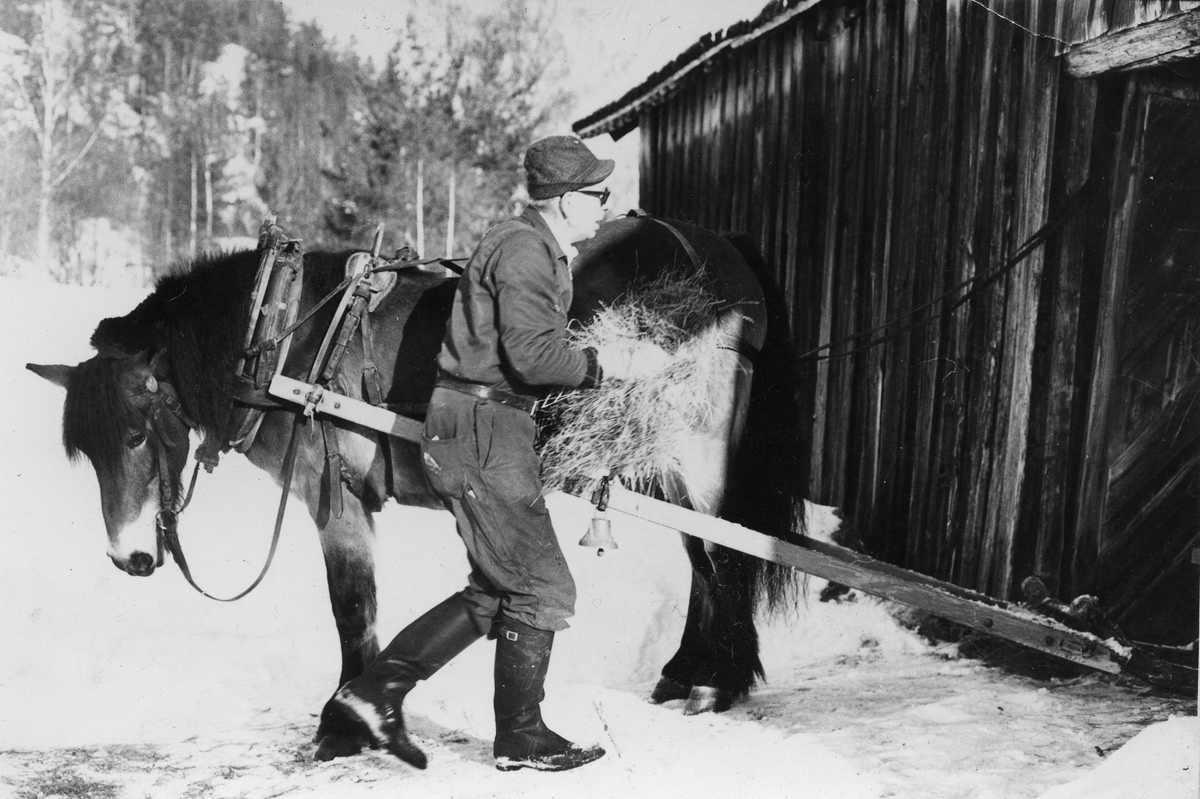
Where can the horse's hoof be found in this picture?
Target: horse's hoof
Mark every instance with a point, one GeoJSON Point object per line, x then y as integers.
{"type": "Point", "coordinates": [337, 744]}
{"type": "Point", "coordinates": [705, 699]}
{"type": "Point", "coordinates": [667, 689]}
{"type": "Point", "coordinates": [349, 718]}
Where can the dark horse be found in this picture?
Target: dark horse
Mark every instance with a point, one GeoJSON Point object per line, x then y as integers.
{"type": "Point", "coordinates": [168, 365]}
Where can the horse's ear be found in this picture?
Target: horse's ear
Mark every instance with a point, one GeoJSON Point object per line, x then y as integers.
{"type": "Point", "coordinates": [132, 333]}
{"type": "Point", "coordinates": [59, 374]}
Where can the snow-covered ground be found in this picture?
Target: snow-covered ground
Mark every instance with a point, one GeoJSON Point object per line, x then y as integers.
{"type": "Point", "coordinates": [112, 686]}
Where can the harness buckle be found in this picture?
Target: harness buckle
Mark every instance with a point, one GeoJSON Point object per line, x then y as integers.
{"type": "Point", "coordinates": [166, 520]}
{"type": "Point", "coordinates": [313, 399]}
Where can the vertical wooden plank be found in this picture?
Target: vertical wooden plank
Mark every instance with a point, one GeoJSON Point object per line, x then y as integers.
{"type": "Point", "coordinates": [689, 195]}
{"type": "Point", "coordinates": [891, 517]}
{"type": "Point", "coordinates": [1080, 20]}
{"type": "Point", "coordinates": [849, 234]}
{"type": "Point", "coordinates": [771, 134]}
{"type": "Point", "coordinates": [670, 159]}
{"type": "Point", "coordinates": [757, 74]}
{"type": "Point", "coordinates": [1038, 87]}
{"type": "Point", "coordinates": [743, 150]}
{"type": "Point", "coordinates": [647, 157]}
{"type": "Point", "coordinates": [728, 148]}
{"type": "Point", "coordinates": [1093, 486]}
{"type": "Point", "coordinates": [781, 244]}
{"type": "Point", "coordinates": [992, 223]}
{"type": "Point", "coordinates": [700, 188]}
{"type": "Point", "coordinates": [932, 366]}
{"type": "Point", "coordinates": [704, 158]}
{"type": "Point", "coordinates": [837, 49]}
{"type": "Point", "coordinates": [793, 263]}
{"type": "Point", "coordinates": [885, 20]}
{"type": "Point", "coordinates": [952, 468]}
{"type": "Point", "coordinates": [1059, 461]}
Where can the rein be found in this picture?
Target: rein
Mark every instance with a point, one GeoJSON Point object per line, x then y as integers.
{"type": "Point", "coordinates": [173, 501]}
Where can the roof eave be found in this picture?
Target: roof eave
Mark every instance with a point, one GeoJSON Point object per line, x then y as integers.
{"type": "Point", "coordinates": [622, 116]}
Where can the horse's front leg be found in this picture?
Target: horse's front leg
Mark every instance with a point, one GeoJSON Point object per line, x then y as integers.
{"type": "Point", "coordinates": [347, 540]}
{"type": "Point", "coordinates": [350, 571]}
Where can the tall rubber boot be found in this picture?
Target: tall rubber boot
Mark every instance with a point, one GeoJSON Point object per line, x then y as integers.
{"type": "Point", "coordinates": [369, 706]}
{"type": "Point", "coordinates": [522, 739]}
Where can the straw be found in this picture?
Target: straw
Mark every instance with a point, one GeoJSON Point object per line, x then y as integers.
{"type": "Point", "coordinates": [636, 428]}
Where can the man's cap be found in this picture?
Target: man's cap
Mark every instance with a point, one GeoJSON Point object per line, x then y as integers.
{"type": "Point", "coordinates": [558, 164]}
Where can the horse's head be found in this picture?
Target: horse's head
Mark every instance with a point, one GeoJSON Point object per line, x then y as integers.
{"type": "Point", "coordinates": [124, 417]}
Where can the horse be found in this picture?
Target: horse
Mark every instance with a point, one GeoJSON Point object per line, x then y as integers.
{"type": "Point", "coordinates": [167, 368]}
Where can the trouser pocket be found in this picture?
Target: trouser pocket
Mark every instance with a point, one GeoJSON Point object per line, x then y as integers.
{"type": "Point", "coordinates": [444, 465]}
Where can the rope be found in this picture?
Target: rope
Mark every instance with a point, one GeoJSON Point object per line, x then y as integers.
{"type": "Point", "coordinates": [1080, 199]}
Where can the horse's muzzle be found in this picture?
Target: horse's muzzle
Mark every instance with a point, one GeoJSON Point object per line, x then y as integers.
{"type": "Point", "coordinates": [140, 564]}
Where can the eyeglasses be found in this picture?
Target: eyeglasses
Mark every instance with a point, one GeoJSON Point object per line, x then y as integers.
{"type": "Point", "coordinates": [602, 195]}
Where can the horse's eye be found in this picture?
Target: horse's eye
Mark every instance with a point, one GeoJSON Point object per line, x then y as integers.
{"type": "Point", "coordinates": [135, 440]}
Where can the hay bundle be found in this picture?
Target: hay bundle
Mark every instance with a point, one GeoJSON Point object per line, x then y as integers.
{"type": "Point", "coordinates": [636, 428]}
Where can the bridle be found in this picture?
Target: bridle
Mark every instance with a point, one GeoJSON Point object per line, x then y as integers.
{"type": "Point", "coordinates": [172, 499]}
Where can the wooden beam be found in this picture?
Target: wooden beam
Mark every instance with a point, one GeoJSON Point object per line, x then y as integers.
{"type": "Point", "coordinates": [831, 562]}
{"type": "Point", "coordinates": [975, 610]}
{"type": "Point", "coordinates": [348, 408]}
{"type": "Point", "coordinates": [1154, 44]}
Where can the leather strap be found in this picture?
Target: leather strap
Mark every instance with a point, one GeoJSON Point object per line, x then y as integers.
{"type": "Point", "coordinates": [167, 520]}
{"type": "Point", "coordinates": [687, 245]}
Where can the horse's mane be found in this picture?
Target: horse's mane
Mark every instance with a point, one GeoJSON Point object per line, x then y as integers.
{"type": "Point", "coordinates": [97, 413]}
{"type": "Point", "coordinates": [197, 316]}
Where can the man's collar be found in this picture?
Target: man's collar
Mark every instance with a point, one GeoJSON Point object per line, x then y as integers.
{"type": "Point", "coordinates": [564, 249]}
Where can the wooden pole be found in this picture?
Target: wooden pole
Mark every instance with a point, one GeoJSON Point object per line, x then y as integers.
{"type": "Point", "coordinates": [450, 213]}
{"type": "Point", "coordinates": [421, 207]}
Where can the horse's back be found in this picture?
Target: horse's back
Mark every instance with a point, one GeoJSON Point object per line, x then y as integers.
{"type": "Point", "coordinates": [635, 250]}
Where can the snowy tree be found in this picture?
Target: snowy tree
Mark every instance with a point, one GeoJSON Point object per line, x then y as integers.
{"type": "Point", "coordinates": [460, 97]}
{"type": "Point", "coordinates": [63, 70]}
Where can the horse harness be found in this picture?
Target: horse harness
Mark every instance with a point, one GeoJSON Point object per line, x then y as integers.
{"type": "Point", "coordinates": [273, 319]}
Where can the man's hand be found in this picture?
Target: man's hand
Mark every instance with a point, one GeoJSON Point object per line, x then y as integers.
{"type": "Point", "coordinates": [631, 359]}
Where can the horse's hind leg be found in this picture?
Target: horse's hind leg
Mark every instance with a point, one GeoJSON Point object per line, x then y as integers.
{"type": "Point", "coordinates": [717, 661]}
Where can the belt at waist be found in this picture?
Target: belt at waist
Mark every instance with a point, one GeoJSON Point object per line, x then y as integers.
{"type": "Point", "coordinates": [480, 391]}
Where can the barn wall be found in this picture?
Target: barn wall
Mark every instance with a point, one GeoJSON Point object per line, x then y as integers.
{"type": "Point", "coordinates": [1083, 20]}
{"type": "Point", "coordinates": [884, 154]}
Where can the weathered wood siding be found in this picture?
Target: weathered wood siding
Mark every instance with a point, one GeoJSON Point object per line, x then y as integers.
{"type": "Point", "coordinates": [1080, 21]}
{"type": "Point", "coordinates": [882, 153]}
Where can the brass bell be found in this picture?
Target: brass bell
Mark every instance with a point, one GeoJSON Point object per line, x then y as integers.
{"type": "Point", "coordinates": [599, 534]}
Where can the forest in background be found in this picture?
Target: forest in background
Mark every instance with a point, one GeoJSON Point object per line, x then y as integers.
{"type": "Point", "coordinates": [137, 133]}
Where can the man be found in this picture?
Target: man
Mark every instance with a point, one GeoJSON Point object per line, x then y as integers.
{"type": "Point", "coordinates": [505, 344]}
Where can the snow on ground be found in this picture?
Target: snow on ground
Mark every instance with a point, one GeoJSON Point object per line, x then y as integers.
{"type": "Point", "coordinates": [112, 686]}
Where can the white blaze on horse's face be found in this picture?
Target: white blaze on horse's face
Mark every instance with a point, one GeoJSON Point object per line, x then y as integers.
{"type": "Point", "coordinates": [129, 503]}
{"type": "Point", "coordinates": [129, 490]}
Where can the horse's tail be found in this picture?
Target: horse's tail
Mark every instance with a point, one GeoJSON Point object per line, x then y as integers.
{"type": "Point", "coordinates": [770, 469]}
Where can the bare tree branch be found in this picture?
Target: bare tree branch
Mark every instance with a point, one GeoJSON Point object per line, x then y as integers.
{"type": "Point", "coordinates": [69, 168]}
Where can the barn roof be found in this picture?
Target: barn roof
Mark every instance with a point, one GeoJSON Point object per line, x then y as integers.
{"type": "Point", "coordinates": [621, 116]}
{"type": "Point", "coordinates": [1149, 33]}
